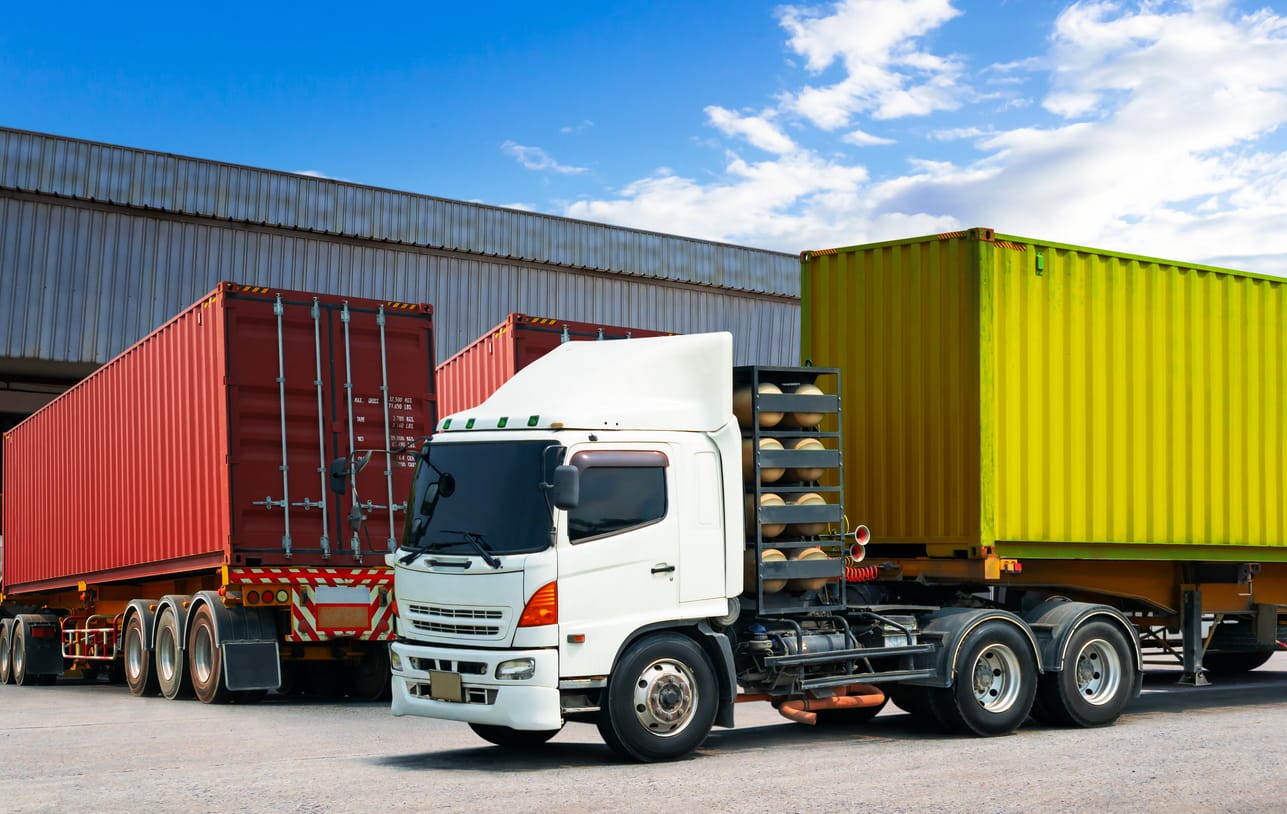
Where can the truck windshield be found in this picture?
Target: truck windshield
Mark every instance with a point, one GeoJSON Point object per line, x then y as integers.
{"type": "Point", "coordinates": [494, 498]}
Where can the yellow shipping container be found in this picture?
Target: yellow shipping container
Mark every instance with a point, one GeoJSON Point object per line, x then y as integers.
{"type": "Point", "coordinates": [1055, 401]}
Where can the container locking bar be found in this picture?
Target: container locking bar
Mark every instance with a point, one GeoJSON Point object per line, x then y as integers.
{"type": "Point", "coordinates": [325, 541]}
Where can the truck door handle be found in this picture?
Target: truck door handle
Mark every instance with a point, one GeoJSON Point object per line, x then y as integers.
{"type": "Point", "coordinates": [662, 568]}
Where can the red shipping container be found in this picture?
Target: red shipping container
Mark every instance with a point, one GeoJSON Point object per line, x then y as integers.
{"type": "Point", "coordinates": [468, 378]}
{"type": "Point", "coordinates": [169, 459]}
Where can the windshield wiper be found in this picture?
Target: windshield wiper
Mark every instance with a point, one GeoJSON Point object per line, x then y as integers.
{"type": "Point", "coordinates": [479, 544]}
{"type": "Point", "coordinates": [469, 539]}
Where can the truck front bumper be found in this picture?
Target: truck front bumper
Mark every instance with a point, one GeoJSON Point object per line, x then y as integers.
{"type": "Point", "coordinates": [481, 698]}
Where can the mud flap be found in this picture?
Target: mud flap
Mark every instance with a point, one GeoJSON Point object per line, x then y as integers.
{"type": "Point", "coordinates": [251, 666]}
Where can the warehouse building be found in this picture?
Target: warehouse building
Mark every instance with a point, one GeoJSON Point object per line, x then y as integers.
{"type": "Point", "coordinates": [100, 244]}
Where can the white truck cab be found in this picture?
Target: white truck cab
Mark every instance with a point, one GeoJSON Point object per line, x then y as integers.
{"type": "Point", "coordinates": [512, 611]}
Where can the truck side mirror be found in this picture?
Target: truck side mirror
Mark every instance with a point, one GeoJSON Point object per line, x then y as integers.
{"type": "Point", "coordinates": [567, 487]}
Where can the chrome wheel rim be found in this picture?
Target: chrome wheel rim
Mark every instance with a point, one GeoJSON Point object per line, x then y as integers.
{"type": "Point", "coordinates": [202, 654]}
{"type": "Point", "coordinates": [996, 678]}
{"type": "Point", "coordinates": [166, 653]}
{"type": "Point", "coordinates": [1098, 672]}
{"type": "Point", "coordinates": [665, 697]}
{"type": "Point", "coordinates": [134, 654]}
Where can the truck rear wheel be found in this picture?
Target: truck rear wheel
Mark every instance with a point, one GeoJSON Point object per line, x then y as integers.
{"type": "Point", "coordinates": [516, 739]}
{"type": "Point", "coordinates": [205, 660]}
{"type": "Point", "coordinates": [1097, 680]}
{"type": "Point", "coordinates": [994, 686]}
{"type": "Point", "coordinates": [139, 674]}
{"type": "Point", "coordinates": [660, 703]}
{"type": "Point", "coordinates": [171, 668]}
{"type": "Point", "coordinates": [6, 656]}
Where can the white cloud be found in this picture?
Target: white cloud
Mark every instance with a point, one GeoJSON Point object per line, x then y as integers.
{"type": "Point", "coordinates": [574, 129]}
{"type": "Point", "coordinates": [875, 41]}
{"type": "Point", "coordinates": [537, 160]}
{"type": "Point", "coordinates": [863, 139]}
{"type": "Point", "coordinates": [759, 131]}
{"type": "Point", "coordinates": [1160, 131]}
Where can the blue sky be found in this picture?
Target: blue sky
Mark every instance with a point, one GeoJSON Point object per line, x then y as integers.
{"type": "Point", "coordinates": [1151, 127]}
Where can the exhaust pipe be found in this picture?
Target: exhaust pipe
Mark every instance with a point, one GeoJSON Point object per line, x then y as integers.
{"type": "Point", "coordinates": [852, 696]}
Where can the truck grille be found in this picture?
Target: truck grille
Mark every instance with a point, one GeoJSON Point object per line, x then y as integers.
{"type": "Point", "coordinates": [459, 621]}
{"type": "Point", "coordinates": [456, 630]}
{"type": "Point", "coordinates": [456, 613]}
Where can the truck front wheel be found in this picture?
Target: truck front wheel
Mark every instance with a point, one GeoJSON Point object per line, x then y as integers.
{"type": "Point", "coordinates": [1097, 680]}
{"type": "Point", "coordinates": [995, 683]}
{"type": "Point", "coordinates": [660, 702]}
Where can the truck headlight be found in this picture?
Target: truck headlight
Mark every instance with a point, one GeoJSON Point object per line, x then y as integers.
{"type": "Point", "coordinates": [395, 660]}
{"type": "Point", "coordinates": [516, 669]}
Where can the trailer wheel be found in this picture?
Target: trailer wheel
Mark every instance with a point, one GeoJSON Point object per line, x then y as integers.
{"type": "Point", "coordinates": [369, 678]}
{"type": "Point", "coordinates": [6, 656]}
{"type": "Point", "coordinates": [518, 740]}
{"type": "Point", "coordinates": [1096, 682]}
{"type": "Point", "coordinates": [171, 669]}
{"type": "Point", "coordinates": [139, 673]}
{"type": "Point", "coordinates": [205, 660]}
{"type": "Point", "coordinates": [19, 657]}
{"type": "Point", "coordinates": [994, 686]}
{"type": "Point", "coordinates": [661, 701]}
{"type": "Point", "coordinates": [1233, 662]}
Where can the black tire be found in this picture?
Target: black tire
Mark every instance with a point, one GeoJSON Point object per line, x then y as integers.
{"type": "Point", "coordinates": [911, 698]}
{"type": "Point", "coordinates": [167, 654]}
{"type": "Point", "coordinates": [369, 678]}
{"type": "Point", "coordinates": [205, 659]}
{"type": "Point", "coordinates": [661, 700]}
{"type": "Point", "coordinates": [1232, 663]}
{"type": "Point", "coordinates": [18, 657]}
{"type": "Point", "coordinates": [518, 740]}
{"type": "Point", "coordinates": [994, 685]}
{"type": "Point", "coordinates": [137, 660]}
{"type": "Point", "coordinates": [324, 679]}
{"type": "Point", "coordinates": [1097, 681]}
{"type": "Point", "coordinates": [6, 656]}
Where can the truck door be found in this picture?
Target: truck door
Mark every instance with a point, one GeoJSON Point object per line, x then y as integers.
{"type": "Point", "coordinates": [619, 554]}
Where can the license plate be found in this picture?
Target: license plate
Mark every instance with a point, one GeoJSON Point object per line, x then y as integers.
{"type": "Point", "coordinates": [445, 687]}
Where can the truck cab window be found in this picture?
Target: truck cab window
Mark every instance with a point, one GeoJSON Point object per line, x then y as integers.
{"type": "Point", "coordinates": [616, 499]}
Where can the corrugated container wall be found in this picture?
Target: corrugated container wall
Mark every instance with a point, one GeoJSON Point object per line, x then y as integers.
{"type": "Point", "coordinates": [99, 244]}
{"type": "Point", "coordinates": [169, 459]}
{"type": "Point", "coordinates": [470, 376]}
{"type": "Point", "coordinates": [1053, 400]}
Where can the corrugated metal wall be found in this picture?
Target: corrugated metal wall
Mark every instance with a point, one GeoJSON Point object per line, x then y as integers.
{"type": "Point", "coordinates": [138, 178]}
{"type": "Point", "coordinates": [81, 284]}
{"type": "Point", "coordinates": [99, 244]}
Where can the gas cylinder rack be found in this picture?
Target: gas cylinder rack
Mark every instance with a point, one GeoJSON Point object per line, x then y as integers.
{"type": "Point", "coordinates": [801, 535]}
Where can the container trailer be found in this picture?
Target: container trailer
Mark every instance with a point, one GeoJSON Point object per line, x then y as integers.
{"type": "Point", "coordinates": [638, 535]}
{"type": "Point", "coordinates": [167, 521]}
{"type": "Point", "coordinates": [474, 372]}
